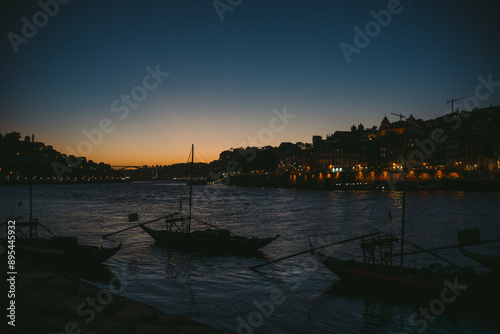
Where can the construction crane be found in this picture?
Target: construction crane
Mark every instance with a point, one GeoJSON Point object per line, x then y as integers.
{"type": "Point", "coordinates": [399, 115]}
{"type": "Point", "coordinates": [453, 100]}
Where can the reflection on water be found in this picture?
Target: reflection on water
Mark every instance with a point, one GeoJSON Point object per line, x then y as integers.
{"type": "Point", "coordinates": [221, 291]}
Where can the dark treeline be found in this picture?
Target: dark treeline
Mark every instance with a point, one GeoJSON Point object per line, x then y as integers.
{"type": "Point", "coordinates": [20, 158]}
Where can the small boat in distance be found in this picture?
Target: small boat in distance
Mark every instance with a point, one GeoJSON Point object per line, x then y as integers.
{"type": "Point", "coordinates": [178, 235]}
{"type": "Point", "coordinates": [197, 181]}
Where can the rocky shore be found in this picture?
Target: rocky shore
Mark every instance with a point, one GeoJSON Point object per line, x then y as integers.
{"type": "Point", "coordinates": [49, 302]}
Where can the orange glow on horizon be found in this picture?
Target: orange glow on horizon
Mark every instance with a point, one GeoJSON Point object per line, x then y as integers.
{"type": "Point", "coordinates": [167, 139]}
{"type": "Point", "coordinates": [149, 158]}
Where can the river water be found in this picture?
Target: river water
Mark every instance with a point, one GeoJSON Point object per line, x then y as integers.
{"type": "Point", "coordinates": [292, 296]}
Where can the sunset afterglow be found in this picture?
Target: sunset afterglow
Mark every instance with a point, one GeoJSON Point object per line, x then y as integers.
{"type": "Point", "coordinates": [164, 75]}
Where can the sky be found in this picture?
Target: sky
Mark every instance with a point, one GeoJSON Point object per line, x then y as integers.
{"type": "Point", "coordinates": [138, 82]}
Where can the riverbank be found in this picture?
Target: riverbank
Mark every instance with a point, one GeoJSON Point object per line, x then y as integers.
{"type": "Point", "coordinates": [50, 302]}
{"type": "Point", "coordinates": [52, 181]}
{"type": "Point", "coordinates": [315, 181]}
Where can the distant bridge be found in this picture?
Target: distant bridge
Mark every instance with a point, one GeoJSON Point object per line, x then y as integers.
{"type": "Point", "coordinates": [127, 167]}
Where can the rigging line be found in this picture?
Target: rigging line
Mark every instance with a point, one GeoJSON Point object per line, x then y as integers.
{"type": "Point", "coordinates": [366, 227]}
{"type": "Point", "coordinates": [201, 155]}
{"type": "Point", "coordinates": [98, 220]}
{"type": "Point", "coordinates": [40, 206]}
{"type": "Point", "coordinates": [16, 202]}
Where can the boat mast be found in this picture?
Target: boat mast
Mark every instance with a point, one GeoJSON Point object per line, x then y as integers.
{"type": "Point", "coordinates": [403, 207]}
{"type": "Point", "coordinates": [191, 188]}
{"type": "Point", "coordinates": [31, 178]}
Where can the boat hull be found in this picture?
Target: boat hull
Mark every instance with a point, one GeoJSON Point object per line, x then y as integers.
{"type": "Point", "coordinates": [469, 294]}
{"type": "Point", "coordinates": [207, 243]}
{"type": "Point", "coordinates": [61, 252]}
{"type": "Point", "coordinates": [491, 262]}
{"type": "Point", "coordinates": [406, 279]}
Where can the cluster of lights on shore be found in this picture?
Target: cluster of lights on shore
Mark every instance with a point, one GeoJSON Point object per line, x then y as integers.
{"type": "Point", "coordinates": [334, 169]}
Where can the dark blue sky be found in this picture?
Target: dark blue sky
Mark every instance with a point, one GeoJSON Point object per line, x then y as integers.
{"type": "Point", "coordinates": [226, 77]}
